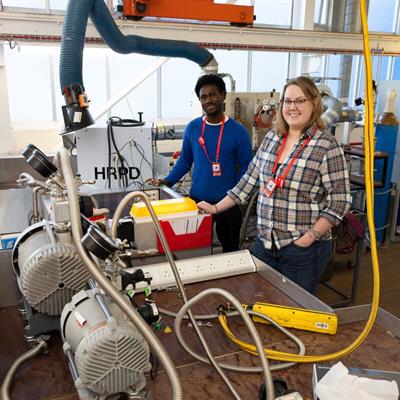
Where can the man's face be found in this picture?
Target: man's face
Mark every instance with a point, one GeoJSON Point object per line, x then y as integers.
{"type": "Point", "coordinates": [211, 99]}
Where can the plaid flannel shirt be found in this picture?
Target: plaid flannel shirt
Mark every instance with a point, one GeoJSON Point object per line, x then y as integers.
{"type": "Point", "coordinates": [316, 186]}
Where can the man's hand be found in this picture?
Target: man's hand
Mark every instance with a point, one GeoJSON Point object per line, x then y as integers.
{"type": "Point", "coordinates": [207, 207]}
{"type": "Point", "coordinates": [156, 182]}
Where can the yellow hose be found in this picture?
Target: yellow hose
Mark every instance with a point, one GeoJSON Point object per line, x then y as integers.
{"type": "Point", "coordinates": [369, 191]}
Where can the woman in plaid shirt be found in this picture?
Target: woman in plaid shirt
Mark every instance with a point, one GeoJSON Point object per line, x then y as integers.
{"type": "Point", "coordinates": [304, 188]}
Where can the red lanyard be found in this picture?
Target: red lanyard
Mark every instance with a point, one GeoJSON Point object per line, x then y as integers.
{"type": "Point", "coordinates": [293, 159]}
{"type": "Point", "coordinates": [203, 142]}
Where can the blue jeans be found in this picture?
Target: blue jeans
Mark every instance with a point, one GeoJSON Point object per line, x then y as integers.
{"type": "Point", "coordinates": [302, 265]}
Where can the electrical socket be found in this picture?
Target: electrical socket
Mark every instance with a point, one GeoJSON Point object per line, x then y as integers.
{"type": "Point", "coordinates": [152, 194]}
{"type": "Point", "coordinates": [199, 269]}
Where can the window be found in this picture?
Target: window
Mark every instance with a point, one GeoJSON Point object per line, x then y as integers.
{"type": "Point", "coordinates": [355, 90]}
{"type": "Point", "coordinates": [124, 68]}
{"type": "Point", "coordinates": [233, 62]}
{"type": "Point", "coordinates": [379, 72]}
{"type": "Point", "coordinates": [58, 4]}
{"type": "Point", "coordinates": [321, 12]}
{"type": "Point", "coordinates": [380, 68]}
{"type": "Point", "coordinates": [36, 4]}
{"type": "Point", "coordinates": [333, 70]}
{"type": "Point", "coordinates": [381, 14]}
{"type": "Point", "coordinates": [396, 69]}
{"type": "Point", "coordinates": [178, 98]}
{"type": "Point", "coordinates": [273, 12]}
{"type": "Point", "coordinates": [29, 85]}
{"type": "Point", "coordinates": [24, 3]}
{"type": "Point", "coordinates": [178, 79]}
{"type": "Point", "coordinates": [269, 71]}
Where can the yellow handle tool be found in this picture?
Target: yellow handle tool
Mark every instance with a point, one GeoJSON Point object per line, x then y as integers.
{"type": "Point", "coordinates": [298, 318]}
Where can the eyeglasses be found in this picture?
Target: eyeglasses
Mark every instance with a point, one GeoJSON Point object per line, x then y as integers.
{"type": "Point", "coordinates": [297, 102]}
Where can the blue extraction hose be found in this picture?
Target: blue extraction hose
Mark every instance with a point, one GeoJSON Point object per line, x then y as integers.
{"type": "Point", "coordinates": [73, 37]}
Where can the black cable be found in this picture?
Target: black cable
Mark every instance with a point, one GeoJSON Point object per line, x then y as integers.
{"type": "Point", "coordinates": [120, 157]}
{"type": "Point", "coordinates": [109, 155]}
{"type": "Point", "coordinates": [116, 121]}
{"type": "Point", "coordinates": [142, 153]}
{"type": "Point", "coordinates": [155, 364]}
{"type": "Point", "coordinates": [141, 163]}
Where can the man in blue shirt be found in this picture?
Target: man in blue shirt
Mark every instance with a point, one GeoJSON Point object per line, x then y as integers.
{"type": "Point", "coordinates": [219, 150]}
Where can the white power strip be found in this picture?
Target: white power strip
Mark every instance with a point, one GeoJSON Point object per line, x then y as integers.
{"type": "Point", "coordinates": [198, 269]}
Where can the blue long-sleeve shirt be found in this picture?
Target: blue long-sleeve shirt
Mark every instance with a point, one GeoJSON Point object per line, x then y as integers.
{"type": "Point", "coordinates": [234, 158]}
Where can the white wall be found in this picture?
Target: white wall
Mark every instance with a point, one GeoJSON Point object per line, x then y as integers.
{"type": "Point", "coordinates": [43, 135]}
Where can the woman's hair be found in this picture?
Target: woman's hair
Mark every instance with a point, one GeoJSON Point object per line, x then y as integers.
{"type": "Point", "coordinates": [311, 92]}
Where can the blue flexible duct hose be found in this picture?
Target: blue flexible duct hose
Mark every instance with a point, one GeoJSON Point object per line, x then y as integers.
{"type": "Point", "coordinates": [73, 36]}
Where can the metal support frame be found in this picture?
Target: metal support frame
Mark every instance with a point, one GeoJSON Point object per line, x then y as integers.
{"type": "Point", "coordinates": [132, 85]}
{"type": "Point", "coordinates": [349, 299]}
{"type": "Point", "coordinates": [26, 27]}
{"type": "Point", "coordinates": [205, 10]}
{"type": "Point", "coordinates": [5, 121]}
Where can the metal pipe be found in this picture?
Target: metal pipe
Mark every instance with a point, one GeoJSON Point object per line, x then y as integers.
{"type": "Point", "coordinates": [35, 210]}
{"type": "Point", "coordinates": [333, 111]}
{"type": "Point", "coordinates": [233, 82]}
{"type": "Point", "coordinates": [132, 85]}
{"type": "Point", "coordinates": [8, 380]}
{"type": "Point", "coordinates": [100, 299]}
{"type": "Point", "coordinates": [72, 365]}
{"type": "Point", "coordinates": [25, 179]}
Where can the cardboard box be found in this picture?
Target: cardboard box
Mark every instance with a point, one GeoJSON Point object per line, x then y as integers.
{"type": "Point", "coordinates": [320, 370]}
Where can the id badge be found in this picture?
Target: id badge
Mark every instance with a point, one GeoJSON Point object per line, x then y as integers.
{"type": "Point", "coordinates": [269, 187]}
{"type": "Point", "coordinates": [280, 182]}
{"type": "Point", "coordinates": [216, 169]}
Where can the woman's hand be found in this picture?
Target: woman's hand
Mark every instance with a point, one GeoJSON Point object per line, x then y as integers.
{"type": "Point", "coordinates": [304, 241]}
{"type": "Point", "coordinates": [207, 207]}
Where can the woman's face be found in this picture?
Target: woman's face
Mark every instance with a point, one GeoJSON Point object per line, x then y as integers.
{"type": "Point", "coordinates": [297, 108]}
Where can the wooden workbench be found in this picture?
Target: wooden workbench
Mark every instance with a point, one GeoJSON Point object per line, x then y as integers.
{"type": "Point", "coordinates": [48, 376]}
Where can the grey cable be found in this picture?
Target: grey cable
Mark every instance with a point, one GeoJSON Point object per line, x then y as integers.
{"type": "Point", "coordinates": [246, 217]}
{"type": "Point", "coordinates": [275, 367]}
{"type": "Point", "coordinates": [8, 380]}
{"type": "Point", "coordinates": [106, 285]}
{"type": "Point", "coordinates": [117, 215]}
{"type": "Point", "coordinates": [269, 387]}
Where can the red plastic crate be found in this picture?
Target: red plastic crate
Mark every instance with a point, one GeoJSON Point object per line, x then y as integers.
{"type": "Point", "coordinates": [201, 238]}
